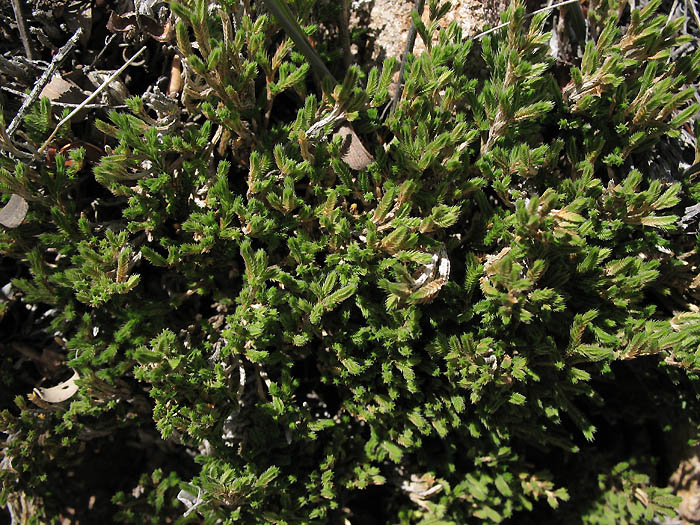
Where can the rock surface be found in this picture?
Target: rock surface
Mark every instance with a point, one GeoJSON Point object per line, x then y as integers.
{"type": "Point", "coordinates": [390, 21]}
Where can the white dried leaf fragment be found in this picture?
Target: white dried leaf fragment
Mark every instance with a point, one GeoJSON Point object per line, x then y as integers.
{"type": "Point", "coordinates": [61, 392]}
{"type": "Point", "coordinates": [190, 500]}
{"type": "Point", "coordinates": [428, 283]}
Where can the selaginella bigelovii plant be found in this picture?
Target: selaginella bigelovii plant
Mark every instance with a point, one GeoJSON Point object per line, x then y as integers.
{"type": "Point", "coordinates": [495, 318]}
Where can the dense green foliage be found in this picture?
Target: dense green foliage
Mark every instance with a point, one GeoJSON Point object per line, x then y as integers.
{"type": "Point", "coordinates": [494, 319]}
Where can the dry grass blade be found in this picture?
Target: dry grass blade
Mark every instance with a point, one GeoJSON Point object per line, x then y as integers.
{"type": "Point", "coordinates": [285, 18]}
{"type": "Point", "coordinates": [356, 156]}
{"type": "Point", "coordinates": [500, 26]}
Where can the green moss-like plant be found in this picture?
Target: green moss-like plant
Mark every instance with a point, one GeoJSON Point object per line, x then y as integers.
{"type": "Point", "coordinates": [495, 319]}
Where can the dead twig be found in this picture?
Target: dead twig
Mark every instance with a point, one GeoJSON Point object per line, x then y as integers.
{"type": "Point", "coordinates": [694, 10]}
{"type": "Point", "coordinates": [345, 33]}
{"type": "Point", "coordinates": [10, 68]}
{"type": "Point", "coordinates": [43, 80]}
{"type": "Point", "coordinates": [108, 41]}
{"type": "Point", "coordinates": [94, 94]}
{"type": "Point", "coordinates": [22, 26]}
{"type": "Point", "coordinates": [671, 12]}
{"type": "Point", "coordinates": [70, 105]}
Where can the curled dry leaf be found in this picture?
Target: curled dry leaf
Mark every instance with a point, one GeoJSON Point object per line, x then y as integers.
{"type": "Point", "coordinates": [354, 153]}
{"type": "Point", "coordinates": [120, 23]}
{"type": "Point", "coordinates": [175, 85]}
{"type": "Point", "coordinates": [14, 212]}
{"type": "Point", "coordinates": [61, 392]}
{"type": "Point", "coordinates": [128, 22]}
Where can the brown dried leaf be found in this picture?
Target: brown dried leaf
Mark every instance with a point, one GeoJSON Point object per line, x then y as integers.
{"type": "Point", "coordinates": [119, 24]}
{"type": "Point", "coordinates": [161, 33]}
{"type": "Point", "coordinates": [428, 292]}
{"type": "Point", "coordinates": [61, 90]}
